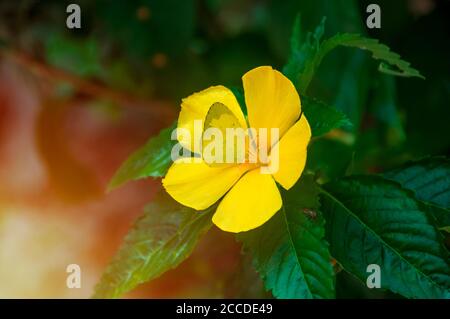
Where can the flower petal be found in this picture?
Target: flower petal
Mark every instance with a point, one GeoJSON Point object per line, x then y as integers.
{"type": "Point", "coordinates": [220, 120]}
{"type": "Point", "coordinates": [197, 185]}
{"type": "Point", "coordinates": [271, 98]}
{"type": "Point", "coordinates": [196, 107]}
{"type": "Point", "coordinates": [292, 153]}
{"type": "Point", "coordinates": [250, 203]}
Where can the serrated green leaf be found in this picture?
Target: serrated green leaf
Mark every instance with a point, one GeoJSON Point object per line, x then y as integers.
{"type": "Point", "coordinates": [379, 52]}
{"type": "Point", "coordinates": [371, 220]}
{"type": "Point", "coordinates": [160, 240]}
{"type": "Point", "coordinates": [289, 251]}
{"type": "Point", "coordinates": [442, 216]}
{"type": "Point", "coordinates": [307, 54]}
{"type": "Point", "coordinates": [152, 160]}
{"type": "Point", "coordinates": [302, 51]}
{"type": "Point", "coordinates": [429, 179]}
{"type": "Point", "coordinates": [323, 118]}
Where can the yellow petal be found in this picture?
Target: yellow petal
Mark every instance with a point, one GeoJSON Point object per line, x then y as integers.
{"type": "Point", "coordinates": [220, 118]}
{"type": "Point", "coordinates": [196, 107]}
{"type": "Point", "coordinates": [250, 203]}
{"type": "Point", "coordinates": [271, 98]}
{"type": "Point", "coordinates": [292, 153]}
{"type": "Point", "coordinates": [198, 185]}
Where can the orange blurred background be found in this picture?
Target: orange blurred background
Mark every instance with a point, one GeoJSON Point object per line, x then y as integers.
{"type": "Point", "coordinates": [56, 160]}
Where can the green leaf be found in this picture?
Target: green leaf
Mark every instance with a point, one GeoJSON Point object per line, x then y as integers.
{"type": "Point", "coordinates": [307, 54]}
{"type": "Point", "coordinates": [160, 239]}
{"type": "Point", "coordinates": [289, 251]}
{"type": "Point", "coordinates": [379, 52]}
{"type": "Point", "coordinates": [152, 160]}
{"type": "Point", "coordinates": [442, 216]}
{"type": "Point", "coordinates": [341, 81]}
{"type": "Point", "coordinates": [342, 15]}
{"type": "Point", "coordinates": [323, 118]}
{"type": "Point", "coordinates": [371, 220]}
{"type": "Point", "coordinates": [390, 60]}
{"type": "Point", "coordinates": [429, 179]}
{"type": "Point", "coordinates": [302, 51]}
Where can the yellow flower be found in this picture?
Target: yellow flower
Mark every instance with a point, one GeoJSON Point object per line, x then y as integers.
{"type": "Point", "coordinates": [249, 197]}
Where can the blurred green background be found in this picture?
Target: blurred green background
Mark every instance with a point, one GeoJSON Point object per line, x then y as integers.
{"type": "Point", "coordinates": [169, 49]}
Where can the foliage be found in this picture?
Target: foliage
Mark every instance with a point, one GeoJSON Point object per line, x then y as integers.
{"type": "Point", "coordinates": [393, 220]}
{"type": "Point", "coordinates": [363, 198]}
{"type": "Point", "coordinates": [322, 117]}
{"type": "Point", "coordinates": [160, 239]}
{"type": "Point", "coordinates": [374, 221]}
{"type": "Point", "coordinates": [307, 55]}
{"type": "Point", "coordinates": [289, 251]}
{"type": "Point", "coordinates": [153, 159]}
{"type": "Point", "coordinates": [428, 179]}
